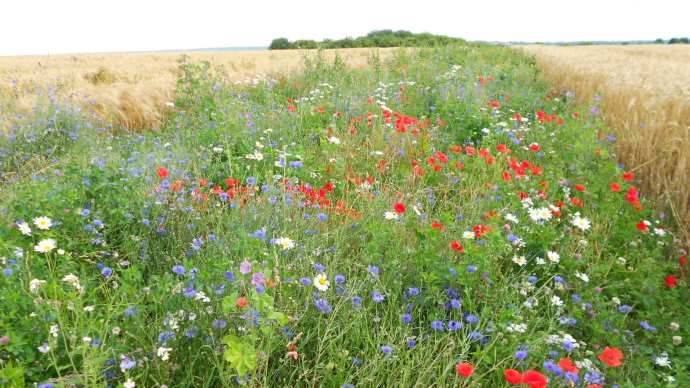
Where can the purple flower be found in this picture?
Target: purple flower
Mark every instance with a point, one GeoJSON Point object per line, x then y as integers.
{"type": "Point", "coordinates": [107, 272]}
{"type": "Point", "coordinates": [229, 276]}
{"type": "Point", "coordinates": [373, 270]}
{"type": "Point", "coordinates": [356, 301]}
{"type": "Point", "coordinates": [320, 268]}
{"type": "Point", "coordinates": [386, 349]}
{"type": "Point", "coordinates": [245, 267]}
{"type": "Point", "coordinates": [625, 309]}
{"type": "Point", "coordinates": [406, 318]}
{"type": "Point", "coordinates": [305, 281]}
{"type": "Point", "coordinates": [178, 270]}
{"type": "Point", "coordinates": [412, 291]}
{"type": "Point", "coordinates": [219, 323]}
{"type": "Point", "coordinates": [454, 325]}
{"type": "Point", "coordinates": [126, 363]}
{"type": "Point", "coordinates": [437, 325]}
{"type": "Point", "coordinates": [411, 343]}
{"type": "Point", "coordinates": [521, 354]}
{"type": "Point", "coordinates": [339, 279]}
{"type": "Point", "coordinates": [323, 305]}
{"type": "Point", "coordinates": [258, 279]}
{"type": "Point", "coordinates": [377, 297]}
{"type": "Point", "coordinates": [471, 319]}
{"type": "Point", "coordinates": [455, 303]}
{"type": "Point", "coordinates": [645, 325]}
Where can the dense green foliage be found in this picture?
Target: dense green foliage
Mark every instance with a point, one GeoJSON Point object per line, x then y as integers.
{"type": "Point", "coordinates": [380, 38]}
{"type": "Point", "coordinates": [339, 227]}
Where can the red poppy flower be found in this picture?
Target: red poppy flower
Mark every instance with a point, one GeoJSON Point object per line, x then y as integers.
{"type": "Point", "coordinates": [506, 176]}
{"type": "Point", "coordinates": [399, 207]}
{"type": "Point", "coordinates": [642, 226]}
{"type": "Point", "coordinates": [241, 302]}
{"type": "Point", "coordinates": [534, 147]}
{"type": "Point", "coordinates": [437, 225]}
{"type": "Point", "coordinates": [512, 376]}
{"type": "Point", "coordinates": [464, 369]}
{"type": "Point", "coordinates": [580, 188]}
{"type": "Point", "coordinates": [502, 148]}
{"type": "Point", "coordinates": [162, 172]}
{"type": "Point", "coordinates": [534, 379]}
{"type": "Point", "coordinates": [568, 365]}
{"type": "Point", "coordinates": [456, 149]}
{"type": "Point", "coordinates": [612, 357]}
{"type": "Point", "coordinates": [671, 281]}
{"type": "Point", "coordinates": [456, 246]}
{"type": "Point", "coordinates": [682, 261]}
{"type": "Point", "coordinates": [628, 176]}
{"type": "Point", "coordinates": [615, 187]}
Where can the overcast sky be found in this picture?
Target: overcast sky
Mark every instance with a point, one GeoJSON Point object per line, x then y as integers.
{"type": "Point", "coordinates": [76, 26]}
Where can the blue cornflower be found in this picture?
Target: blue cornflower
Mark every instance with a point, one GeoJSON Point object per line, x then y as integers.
{"type": "Point", "coordinates": [323, 305]}
{"type": "Point", "coordinates": [377, 297]}
{"type": "Point", "coordinates": [411, 343]}
{"type": "Point", "coordinates": [305, 281]}
{"type": "Point", "coordinates": [551, 366]}
{"type": "Point", "coordinates": [320, 268]}
{"type": "Point", "coordinates": [356, 301]}
{"type": "Point", "coordinates": [521, 354]}
{"type": "Point", "coordinates": [229, 276]}
{"type": "Point", "coordinates": [178, 270]}
{"type": "Point", "coordinates": [406, 318]}
{"type": "Point", "coordinates": [471, 319]}
{"type": "Point", "coordinates": [107, 272]}
{"type": "Point", "coordinates": [413, 291]}
{"type": "Point", "coordinates": [219, 323]}
{"type": "Point", "coordinates": [373, 270]}
{"type": "Point", "coordinates": [386, 349]}
{"type": "Point", "coordinates": [625, 309]}
{"type": "Point", "coordinates": [437, 325]}
{"type": "Point", "coordinates": [127, 363]}
{"type": "Point", "coordinates": [165, 336]}
{"type": "Point", "coordinates": [471, 268]}
{"type": "Point", "coordinates": [339, 279]}
{"type": "Point", "coordinates": [455, 303]}
{"type": "Point", "coordinates": [454, 325]}
{"type": "Point", "coordinates": [251, 181]}
{"type": "Point", "coordinates": [645, 325]}
{"type": "Point", "coordinates": [322, 217]}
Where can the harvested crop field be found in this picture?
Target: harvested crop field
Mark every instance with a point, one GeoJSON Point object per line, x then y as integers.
{"type": "Point", "coordinates": [643, 93]}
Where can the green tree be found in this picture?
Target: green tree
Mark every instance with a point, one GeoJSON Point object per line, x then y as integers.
{"type": "Point", "coordinates": [280, 44]}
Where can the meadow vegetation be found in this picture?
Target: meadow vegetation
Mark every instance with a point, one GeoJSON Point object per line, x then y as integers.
{"type": "Point", "coordinates": [438, 217]}
{"type": "Point", "coordinates": [643, 95]}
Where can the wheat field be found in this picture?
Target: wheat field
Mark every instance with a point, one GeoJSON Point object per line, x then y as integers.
{"type": "Point", "coordinates": [645, 100]}
{"type": "Point", "coordinates": [132, 90]}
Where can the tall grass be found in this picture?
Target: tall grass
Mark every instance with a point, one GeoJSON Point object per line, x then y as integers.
{"type": "Point", "coordinates": [651, 120]}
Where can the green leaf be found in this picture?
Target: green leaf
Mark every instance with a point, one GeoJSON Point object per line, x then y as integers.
{"type": "Point", "coordinates": [240, 353]}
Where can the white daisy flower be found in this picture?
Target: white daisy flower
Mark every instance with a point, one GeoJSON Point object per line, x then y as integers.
{"type": "Point", "coordinates": [163, 353]}
{"type": "Point", "coordinates": [43, 222]}
{"type": "Point", "coordinates": [391, 216]}
{"type": "Point", "coordinates": [35, 285]}
{"type": "Point", "coordinates": [45, 245]}
{"type": "Point", "coordinates": [520, 260]}
{"type": "Point", "coordinates": [581, 223]}
{"type": "Point", "coordinates": [321, 282]}
{"type": "Point", "coordinates": [553, 257]}
{"type": "Point", "coordinates": [24, 228]}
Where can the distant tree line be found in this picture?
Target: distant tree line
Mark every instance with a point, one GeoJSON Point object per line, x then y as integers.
{"type": "Point", "coordinates": [673, 41]}
{"type": "Point", "coordinates": [380, 38]}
